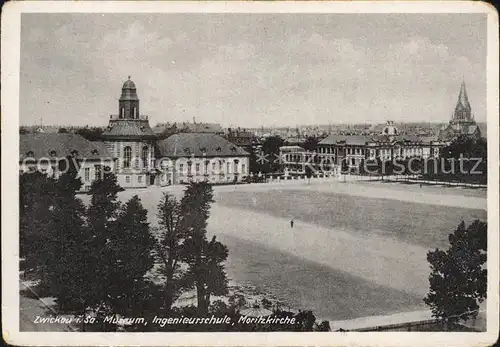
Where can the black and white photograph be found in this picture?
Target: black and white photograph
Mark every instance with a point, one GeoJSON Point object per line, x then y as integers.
{"type": "Point", "coordinates": [263, 173]}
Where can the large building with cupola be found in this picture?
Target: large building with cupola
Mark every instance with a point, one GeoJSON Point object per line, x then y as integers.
{"type": "Point", "coordinates": [131, 149]}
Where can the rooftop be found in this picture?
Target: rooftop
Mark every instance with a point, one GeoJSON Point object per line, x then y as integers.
{"type": "Point", "coordinates": [198, 145]}
{"type": "Point", "coordinates": [60, 145]}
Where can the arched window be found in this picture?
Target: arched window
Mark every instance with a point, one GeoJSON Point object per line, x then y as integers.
{"type": "Point", "coordinates": [144, 156]}
{"type": "Point", "coordinates": [127, 156]}
{"type": "Point", "coordinates": [135, 112]}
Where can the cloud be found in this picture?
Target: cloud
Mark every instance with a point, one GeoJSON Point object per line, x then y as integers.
{"type": "Point", "coordinates": [241, 75]}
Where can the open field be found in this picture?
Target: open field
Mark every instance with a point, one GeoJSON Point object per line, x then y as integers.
{"type": "Point", "coordinates": [356, 249]}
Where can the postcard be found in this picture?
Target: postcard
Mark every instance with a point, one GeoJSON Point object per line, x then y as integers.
{"type": "Point", "coordinates": [250, 173]}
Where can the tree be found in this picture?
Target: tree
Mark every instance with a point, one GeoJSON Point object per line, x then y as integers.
{"type": "Point", "coordinates": [36, 199]}
{"type": "Point", "coordinates": [309, 173]}
{"type": "Point", "coordinates": [62, 131]}
{"type": "Point", "coordinates": [91, 134]}
{"type": "Point", "coordinates": [169, 247]}
{"type": "Point", "coordinates": [131, 245]}
{"type": "Point", "coordinates": [311, 143]}
{"type": "Point", "coordinates": [102, 214]}
{"type": "Point", "coordinates": [458, 275]}
{"type": "Point", "coordinates": [205, 259]}
{"type": "Point", "coordinates": [67, 274]}
{"type": "Point", "coordinates": [344, 167]}
{"type": "Point", "coordinates": [271, 150]}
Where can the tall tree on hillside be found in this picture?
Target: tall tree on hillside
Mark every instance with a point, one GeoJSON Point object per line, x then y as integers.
{"type": "Point", "coordinates": [131, 246]}
{"type": "Point", "coordinates": [205, 259]}
{"type": "Point", "coordinates": [458, 275]}
{"type": "Point", "coordinates": [169, 247]}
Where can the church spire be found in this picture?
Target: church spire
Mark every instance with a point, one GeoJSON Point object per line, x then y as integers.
{"type": "Point", "coordinates": [462, 109]}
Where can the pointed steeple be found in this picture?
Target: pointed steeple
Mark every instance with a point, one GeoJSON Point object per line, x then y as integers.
{"type": "Point", "coordinates": [462, 97]}
{"type": "Point", "coordinates": [462, 109]}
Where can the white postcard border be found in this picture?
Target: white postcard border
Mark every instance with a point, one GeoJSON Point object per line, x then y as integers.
{"type": "Point", "coordinates": [10, 60]}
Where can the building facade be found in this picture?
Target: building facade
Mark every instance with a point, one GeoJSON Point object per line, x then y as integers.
{"type": "Point", "coordinates": [131, 140]}
{"type": "Point", "coordinates": [352, 150]}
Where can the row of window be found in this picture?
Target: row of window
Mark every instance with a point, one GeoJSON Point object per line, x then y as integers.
{"type": "Point", "coordinates": [97, 173]}
{"type": "Point", "coordinates": [215, 167]}
{"type": "Point", "coordinates": [139, 179]}
{"type": "Point", "coordinates": [134, 112]}
{"type": "Point", "coordinates": [127, 156]}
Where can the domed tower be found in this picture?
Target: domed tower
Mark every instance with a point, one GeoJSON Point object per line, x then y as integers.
{"type": "Point", "coordinates": [129, 102]}
{"type": "Point", "coordinates": [131, 140]}
{"type": "Point", "coordinates": [389, 129]}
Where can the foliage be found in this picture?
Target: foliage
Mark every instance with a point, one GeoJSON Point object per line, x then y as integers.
{"type": "Point", "coordinates": [458, 275]}
{"type": "Point", "coordinates": [169, 248]}
{"type": "Point", "coordinates": [311, 143]}
{"type": "Point", "coordinates": [270, 150]}
{"type": "Point", "coordinates": [464, 160]}
{"type": "Point", "coordinates": [102, 214]}
{"type": "Point", "coordinates": [131, 245]}
{"type": "Point", "coordinates": [35, 204]}
{"type": "Point", "coordinates": [205, 259]}
{"type": "Point", "coordinates": [90, 133]}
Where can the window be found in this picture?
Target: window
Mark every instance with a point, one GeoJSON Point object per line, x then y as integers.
{"type": "Point", "coordinates": [135, 112]}
{"type": "Point", "coordinates": [235, 167]}
{"type": "Point", "coordinates": [97, 171]}
{"type": "Point", "coordinates": [197, 168]}
{"type": "Point", "coordinates": [127, 157]}
{"type": "Point", "coordinates": [181, 169]}
{"type": "Point", "coordinates": [144, 156]}
{"type": "Point", "coordinates": [87, 174]}
{"type": "Point", "coordinates": [243, 168]}
{"type": "Point", "coordinates": [127, 179]}
{"type": "Point", "coordinates": [213, 167]}
{"type": "Point", "coordinates": [30, 154]}
{"type": "Point", "coordinates": [52, 153]}
{"type": "Point", "coordinates": [122, 114]}
{"type": "Point", "coordinates": [228, 167]}
{"type": "Point", "coordinates": [139, 179]}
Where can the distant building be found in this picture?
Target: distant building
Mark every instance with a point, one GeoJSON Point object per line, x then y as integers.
{"type": "Point", "coordinates": [51, 153]}
{"type": "Point", "coordinates": [187, 157]}
{"type": "Point", "coordinates": [186, 127]}
{"type": "Point", "coordinates": [244, 139]}
{"type": "Point", "coordinates": [462, 122]}
{"type": "Point", "coordinates": [389, 144]}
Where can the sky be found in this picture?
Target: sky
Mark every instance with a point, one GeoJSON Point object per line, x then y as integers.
{"type": "Point", "coordinates": [252, 70]}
